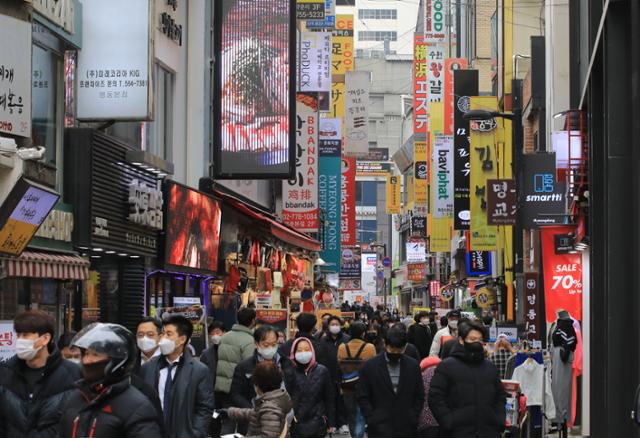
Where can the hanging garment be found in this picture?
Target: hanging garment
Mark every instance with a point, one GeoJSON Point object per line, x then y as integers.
{"type": "Point", "coordinates": [532, 378]}
{"type": "Point", "coordinates": [562, 383]}
{"type": "Point", "coordinates": [577, 370]}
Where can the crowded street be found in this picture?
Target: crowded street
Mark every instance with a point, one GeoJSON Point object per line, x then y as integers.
{"type": "Point", "coordinates": [319, 218]}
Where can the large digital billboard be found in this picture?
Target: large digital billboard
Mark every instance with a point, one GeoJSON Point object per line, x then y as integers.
{"type": "Point", "coordinates": [254, 89]}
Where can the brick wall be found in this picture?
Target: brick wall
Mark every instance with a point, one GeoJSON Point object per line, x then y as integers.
{"type": "Point", "coordinates": [482, 61]}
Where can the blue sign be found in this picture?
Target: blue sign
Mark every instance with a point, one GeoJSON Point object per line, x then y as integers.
{"type": "Point", "coordinates": [478, 263]}
{"type": "Point", "coordinates": [329, 201]}
{"type": "Point", "coordinates": [380, 275]}
{"type": "Point", "coordinates": [386, 262]}
{"type": "Point", "coordinates": [329, 21]}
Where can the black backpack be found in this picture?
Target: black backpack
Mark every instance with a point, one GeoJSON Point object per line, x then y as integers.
{"type": "Point", "coordinates": [350, 368]}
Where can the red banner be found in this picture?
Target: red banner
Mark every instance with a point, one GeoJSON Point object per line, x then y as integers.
{"type": "Point", "coordinates": [562, 276]}
{"type": "Point", "coordinates": [348, 201]}
{"type": "Point", "coordinates": [450, 65]}
{"type": "Point", "coordinates": [420, 90]}
{"type": "Point", "coordinates": [417, 272]}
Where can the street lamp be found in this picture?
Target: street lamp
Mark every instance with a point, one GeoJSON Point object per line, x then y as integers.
{"type": "Point", "coordinates": [479, 114]}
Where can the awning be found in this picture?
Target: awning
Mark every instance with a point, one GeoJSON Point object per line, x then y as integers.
{"type": "Point", "coordinates": [280, 231]}
{"type": "Point", "coordinates": [43, 265]}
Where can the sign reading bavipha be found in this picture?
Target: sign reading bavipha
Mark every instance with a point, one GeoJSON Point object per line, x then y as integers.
{"type": "Point", "coordinates": [254, 85]}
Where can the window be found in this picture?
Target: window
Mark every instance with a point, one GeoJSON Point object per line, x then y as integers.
{"type": "Point", "coordinates": [377, 14]}
{"type": "Point", "coordinates": [367, 231]}
{"type": "Point", "coordinates": [377, 35]}
{"type": "Point", "coordinates": [366, 193]}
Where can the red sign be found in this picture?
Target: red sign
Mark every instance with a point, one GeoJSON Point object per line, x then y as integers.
{"type": "Point", "coordinates": [562, 276]}
{"type": "Point", "coordinates": [348, 218]}
{"type": "Point", "coordinates": [434, 288]}
{"type": "Point", "coordinates": [420, 89]}
{"type": "Point", "coordinates": [450, 65]}
{"type": "Point", "coordinates": [417, 272]}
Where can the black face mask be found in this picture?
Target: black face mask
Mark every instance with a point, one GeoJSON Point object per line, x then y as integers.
{"type": "Point", "coordinates": [94, 372]}
{"type": "Point", "coordinates": [394, 357]}
{"type": "Point", "coordinates": [371, 337]}
{"type": "Point", "coordinates": [475, 351]}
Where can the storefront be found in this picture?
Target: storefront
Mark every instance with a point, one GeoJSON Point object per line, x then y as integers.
{"type": "Point", "coordinates": [119, 214]}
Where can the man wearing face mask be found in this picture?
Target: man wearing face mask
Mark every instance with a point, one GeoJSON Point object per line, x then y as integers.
{"type": "Point", "coordinates": [420, 334]}
{"type": "Point", "coordinates": [106, 404]}
{"type": "Point", "coordinates": [148, 336]}
{"type": "Point", "coordinates": [36, 381]}
{"type": "Point", "coordinates": [242, 389]}
{"type": "Point", "coordinates": [184, 384]}
{"type": "Point", "coordinates": [333, 338]}
{"type": "Point", "coordinates": [209, 356]}
{"type": "Point", "coordinates": [390, 391]}
{"type": "Point", "coordinates": [466, 395]}
{"type": "Point", "coordinates": [446, 333]}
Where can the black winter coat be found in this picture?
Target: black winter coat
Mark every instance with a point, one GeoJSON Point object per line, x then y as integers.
{"type": "Point", "coordinates": [35, 412]}
{"type": "Point", "coordinates": [192, 397]}
{"type": "Point", "coordinates": [242, 388]}
{"type": "Point", "coordinates": [420, 336]}
{"type": "Point", "coordinates": [313, 400]}
{"type": "Point", "coordinates": [389, 414]}
{"type": "Point", "coordinates": [324, 354]}
{"type": "Point", "coordinates": [467, 397]}
{"type": "Point", "coordinates": [118, 411]}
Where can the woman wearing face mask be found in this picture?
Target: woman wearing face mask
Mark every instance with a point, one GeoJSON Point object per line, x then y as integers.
{"type": "Point", "coordinates": [466, 394]}
{"type": "Point", "coordinates": [243, 391]}
{"type": "Point", "coordinates": [333, 338]}
{"type": "Point", "coordinates": [313, 396]}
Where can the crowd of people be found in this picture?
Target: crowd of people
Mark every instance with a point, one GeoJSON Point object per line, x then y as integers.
{"type": "Point", "coordinates": [378, 374]}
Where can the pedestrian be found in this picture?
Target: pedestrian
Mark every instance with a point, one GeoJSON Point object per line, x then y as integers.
{"type": "Point", "coordinates": [69, 352]}
{"type": "Point", "coordinates": [466, 395]}
{"type": "Point", "coordinates": [242, 387]}
{"type": "Point", "coordinates": [333, 338]}
{"type": "Point", "coordinates": [433, 326]}
{"type": "Point", "coordinates": [390, 392]}
{"type": "Point", "coordinates": [351, 358]}
{"type": "Point", "coordinates": [267, 417]}
{"type": "Point", "coordinates": [428, 425]}
{"type": "Point", "coordinates": [105, 404]}
{"type": "Point", "coordinates": [282, 338]}
{"type": "Point", "coordinates": [444, 334]}
{"type": "Point", "coordinates": [313, 403]}
{"type": "Point", "coordinates": [420, 334]}
{"type": "Point", "coordinates": [209, 356]}
{"type": "Point", "coordinates": [184, 385]}
{"type": "Point", "coordinates": [374, 334]}
{"type": "Point", "coordinates": [235, 346]}
{"type": "Point", "coordinates": [502, 351]}
{"type": "Point", "coordinates": [148, 335]}
{"type": "Point", "coordinates": [36, 381]}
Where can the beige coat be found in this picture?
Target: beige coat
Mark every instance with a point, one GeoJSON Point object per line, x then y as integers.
{"type": "Point", "coordinates": [269, 416]}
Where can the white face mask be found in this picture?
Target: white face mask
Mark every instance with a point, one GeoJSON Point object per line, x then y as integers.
{"type": "Point", "coordinates": [303, 357]}
{"type": "Point", "coordinates": [147, 344]}
{"type": "Point", "coordinates": [424, 321]}
{"type": "Point", "coordinates": [334, 329]}
{"type": "Point", "coordinates": [268, 353]}
{"type": "Point", "coordinates": [167, 346]}
{"type": "Point", "coordinates": [25, 349]}
{"type": "Point", "coordinates": [75, 360]}
{"type": "Point", "coordinates": [453, 324]}
{"type": "Point", "coordinates": [215, 339]}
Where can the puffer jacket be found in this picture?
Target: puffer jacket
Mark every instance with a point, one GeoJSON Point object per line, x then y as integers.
{"type": "Point", "coordinates": [235, 346]}
{"type": "Point", "coordinates": [35, 412]}
{"type": "Point", "coordinates": [115, 411]}
{"type": "Point", "coordinates": [467, 398]}
{"type": "Point", "coordinates": [267, 419]}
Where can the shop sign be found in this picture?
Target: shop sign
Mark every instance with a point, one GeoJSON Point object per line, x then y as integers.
{"type": "Point", "coordinates": [310, 10]}
{"type": "Point", "coordinates": [450, 65]}
{"type": "Point", "coordinates": [416, 250]}
{"type": "Point", "coordinates": [57, 226]}
{"type": "Point", "coordinates": [7, 340]}
{"type": "Point", "coordinates": [145, 205]}
{"type": "Point", "coordinates": [484, 165]}
{"type": "Point", "coordinates": [350, 284]}
{"type": "Point", "coordinates": [562, 276]}
{"type": "Point", "coordinates": [442, 168]}
{"type": "Point", "coordinates": [435, 21]}
{"type": "Point", "coordinates": [532, 317]}
{"type": "Point", "coordinates": [329, 21]}
{"type": "Point", "coordinates": [434, 288]}
{"type": "Point", "coordinates": [263, 301]}
{"type": "Point", "coordinates": [168, 25]}
{"type": "Point", "coordinates": [342, 45]}
{"type": "Point", "coordinates": [478, 263]}
{"type": "Point", "coordinates": [421, 172]}
{"type": "Point", "coordinates": [356, 119]}
{"type": "Point", "coordinates": [194, 313]}
{"type": "Point", "coordinates": [330, 138]}
{"type": "Point", "coordinates": [465, 84]}
{"type": "Point", "coordinates": [372, 168]}
{"type": "Point", "coordinates": [348, 196]}
{"type": "Point", "coordinates": [314, 65]}
{"type": "Point", "coordinates": [140, 240]}
{"type": "Point", "coordinates": [565, 243]}
{"type": "Point", "coordinates": [15, 76]}
{"type": "Point", "coordinates": [351, 263]}
{"type": "Point", "coordinates": [300, 194]}
{"type": "Point", "coordinates": [100, 227]}
{"type": "Point", "coordinates": [420, 100]}
{"type": "Point", "coordinates": [501, 202]}
{"type": "Point", "coordinates": [114, 78]}
{"type": "Point", "coordinates": [394, 195]}
{"type": "Point", "coordinates": [447, 293]}
{"type": "Point", "coordinates": [543, 200]}
{"type": "Point", "coordinates": [417, 272]}
{"type": "Point", "coordinates": [329, 190]}
{"type": "Point", "coordinates": [435, 72]}
{"type": "Point", "coordinates": [60, 12]}
{"type": "Point", "coordinates": [273, 317]}
{"type": "Point", "coordinates": [419, 226]}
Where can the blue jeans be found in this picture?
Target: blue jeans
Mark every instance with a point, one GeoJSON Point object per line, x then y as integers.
{"type": "Point", "coordinates": [355, 417]}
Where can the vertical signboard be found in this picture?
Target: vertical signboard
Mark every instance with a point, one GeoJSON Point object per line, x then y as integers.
{"type": "Point", "coordinates": [543, 197]}
{"type": "Point", "coordinates": [421, 173]}
{"type": "Point", "coordinates": [310, 9]}
{"type": "Point", "coordinates": [314, 65]}
{"type": "Point", "coordinates": [435, 28]}
{"type": "Point", "coordinates": [15, 74]}
{"type": "Point", "coordinates": [341, 61]}
{"type": "Point", "coordinates": [478, 263]}
{"type": "Point", "coordinates": [350, 263]}
{"type": "Point", "coordinates": [484, 165]}
{"type": "Point", "coordinates": [394, 195]}
{"type": "Point", "coordinates": [254, 88]}
{"type": "Point", "coordinates": [465, 84]}
{"type": "Point", "coordinates": [501, 202]}
{"type": "Point", "coordinates": [442, 168]}
{"type": "Point", "coordinates": [114, 64]}
{"type": "Point", "coordinates": [532, 317]}
{"type": "Point", "coordinates": [329, 21]}
{"type": "Point", "coordinates": [348, 194]}
{"type": "Point", "coordinates": [435, 72]}
{"type": "Point", "coordinates": [450, 65]}
{"type": "Point", "coordinates": [356, 119]}
{"type": "Point", "coordinates": [329, 189]}
{"type": "Point", "coordinates": [300, 193]}
{"type": "Point", "coordinates": [562, 275]}
{"type": "Point", "coordinates": [420, 89]}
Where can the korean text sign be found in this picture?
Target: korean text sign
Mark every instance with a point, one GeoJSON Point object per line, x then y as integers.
{"type": "Point", "coordinates": [394, 195]}
{"type": "Point", "coordinates": [435, 72]}
{"type": "Point", "coordinates": [356, 119]}
{"type": "Point", "coordinates": [330, 188]}
{"type": "Point", "coordinates": [501, 202]}
{"type": "Point", "coordinates": [532, 317]}
{"type": "Point", "coordinates": [314, 64]}
{"type": "Point", "coordinates": [420, 93]}
{"type": "Point", "coordinates": [348, 194]}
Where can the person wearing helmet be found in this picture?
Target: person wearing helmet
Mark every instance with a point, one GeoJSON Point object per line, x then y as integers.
{"type": "Point", "coordinates": [185, 385]}
{"type": "Point", "coordinates": [105, 403]}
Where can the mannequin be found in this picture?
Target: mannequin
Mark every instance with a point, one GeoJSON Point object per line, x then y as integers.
{"type": "Point", "coordinates": [562, 345]}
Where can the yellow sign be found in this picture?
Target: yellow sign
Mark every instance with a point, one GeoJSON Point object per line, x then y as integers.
{"type": "Point", "coordinates": [440, 237]}
{"type": "Point", "coordinates": [342, 45]}
{"type": "Point", "coordinates": [15, 235]}
{"type": "Point", "coordinates": [485, 298]}
{"type": "Point", "coordinates": [484, 165]}
{"type": "Point", "coordinates": [336, 110]}
{"type": "Point", "coordinates": [421, 172]}
{"type": "Point", "coordinates": [394, 195]}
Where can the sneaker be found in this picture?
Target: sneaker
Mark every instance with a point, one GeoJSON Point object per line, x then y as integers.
{"type": "Point", "coordinates": [344, 430]}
